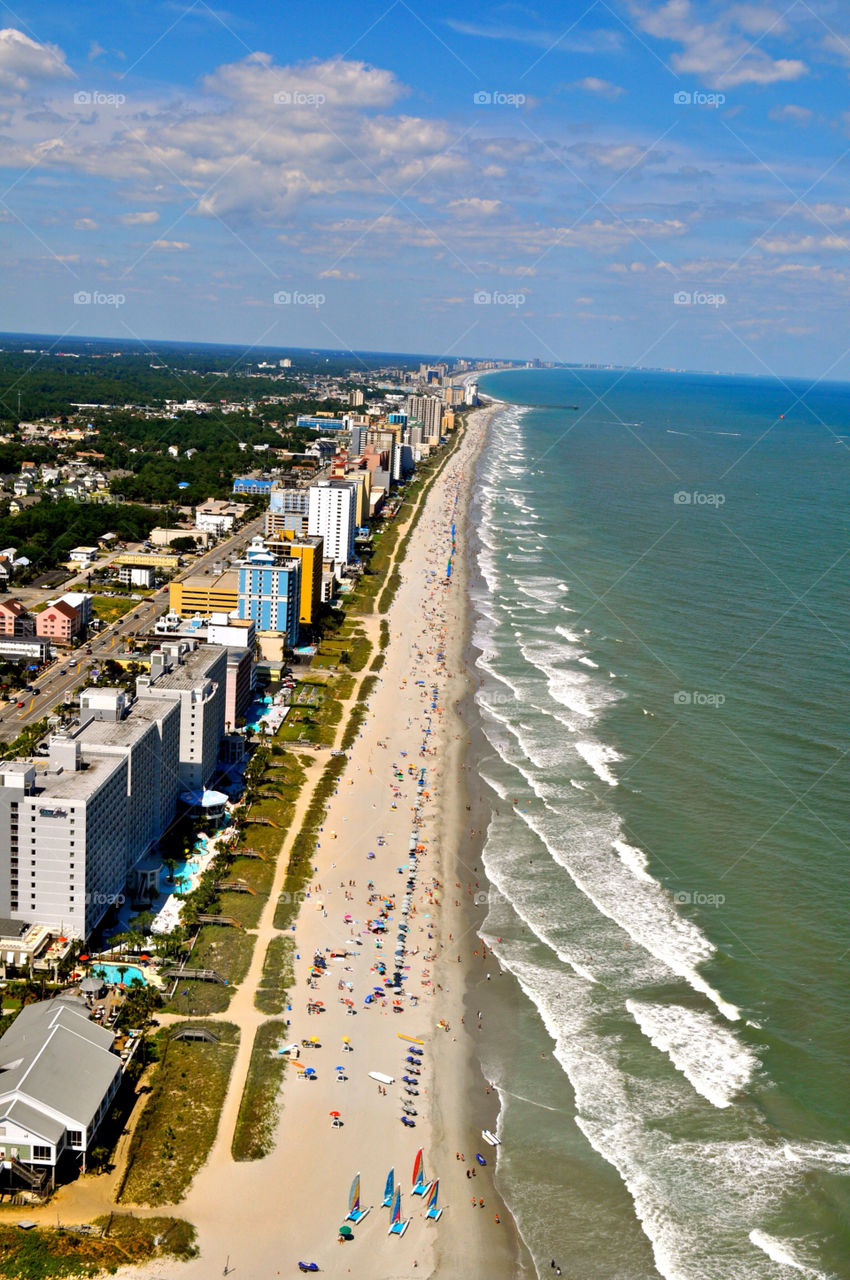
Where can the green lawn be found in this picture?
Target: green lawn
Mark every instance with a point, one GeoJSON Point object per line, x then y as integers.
{"type": "Point", "coordinates": [277, 977]}
{"type": "Point", "coordinates": [253, 1136]}
{"type": "Point", "coordinates": [44, 1254]}
{"type": "Point", "coordinates": [110, 608]}
{"type": "Point", "coordinates": [220, 947]}
{"type": "Point", "coordinates": [179, 1123]}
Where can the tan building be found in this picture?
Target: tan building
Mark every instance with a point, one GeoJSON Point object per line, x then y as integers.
{"type": "Point", "coordinates": [205, 593]}
{"type": "Point", "coordinates": [155, 559]}
{"type": "Point", "coordinates": [164, 537]}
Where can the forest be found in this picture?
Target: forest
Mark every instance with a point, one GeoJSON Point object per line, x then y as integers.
{"type": "Point", "coordinates": [46, 532]}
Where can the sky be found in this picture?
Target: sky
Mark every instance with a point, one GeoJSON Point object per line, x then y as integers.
{"type": "Point", "coordinates": [617, 181]}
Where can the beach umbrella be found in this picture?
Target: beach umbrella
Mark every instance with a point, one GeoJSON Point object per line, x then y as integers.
{"type": "Point", "coordinates": [334, 1114]}
{"type": "Point", "coordinates": [314, 1039]}
{"type": "Point", "coordinates": [346, 1231]}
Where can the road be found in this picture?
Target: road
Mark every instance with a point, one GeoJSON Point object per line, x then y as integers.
{"type": "Point", "coordinates": [67, 672]}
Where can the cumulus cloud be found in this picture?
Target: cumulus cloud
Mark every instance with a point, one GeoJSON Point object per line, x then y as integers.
{"type": "Point", "coordinates": [142, 218]}
{"type": "Point", "coordinates": [24, 61]}
{"type": "Point", "coordinates": [722, 53]}
{"type": "Point", "coordinates": [805, 244]}
{"type": "Point", "coordinates": [793, 114]}
{"type": "Point", "coordinates": [85, 224]}
{"type": "Point", "coordinates": [602, 88]}
{"type": "Point", "coordinates": [333, 83]}
{"type": "Point", "coordinates": [171, 245]}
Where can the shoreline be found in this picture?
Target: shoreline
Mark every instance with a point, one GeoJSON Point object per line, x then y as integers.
{"type": "Point", "coordinates": [262, 1216]}
{"type": "Point", "coordinates": [265, 1215]}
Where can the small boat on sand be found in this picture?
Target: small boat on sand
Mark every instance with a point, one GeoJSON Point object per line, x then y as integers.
{"type": "Point", "coordinates": [490, 1137]}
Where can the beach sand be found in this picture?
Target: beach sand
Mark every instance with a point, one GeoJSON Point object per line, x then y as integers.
{"type": "Point", "coordinates": [266, 1215]}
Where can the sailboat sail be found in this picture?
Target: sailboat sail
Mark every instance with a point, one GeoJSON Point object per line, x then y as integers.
{"type": "Point", "coordinates": [432, 1199]}
{"type": "Point", "coordinates": [418, 1169]}
{"type": "Point", "coordinates": [354, 1194]}
{"type": "Point", "coordinates": [395, 1216]}
{"type": "Point", "coordinates": [389, 1187]}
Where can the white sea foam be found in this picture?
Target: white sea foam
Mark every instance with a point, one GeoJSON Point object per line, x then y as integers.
{"type": "Point", "coordinates": [711, 1057]}
{"type": "Point", "coordinates": [634, 859]}
{"type": "Point", "coordinates": [589, 663]}
{"type": "Point", "coordinates": [684, 1193]}
{"type": "Point", "coordinates": [780, 1251]}
{"type": "Point", "coordinates": [818, 1153]}
{"type": "Point", "coordinates": [598, 756]}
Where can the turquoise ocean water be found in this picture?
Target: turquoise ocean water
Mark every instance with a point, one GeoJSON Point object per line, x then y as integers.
{"type": "Point", "coordinates": [662, 641]}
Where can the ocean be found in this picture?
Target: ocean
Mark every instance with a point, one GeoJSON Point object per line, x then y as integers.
{"type": "Point", "coordinates": [660, 642]}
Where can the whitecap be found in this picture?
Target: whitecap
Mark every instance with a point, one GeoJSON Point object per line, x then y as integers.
{"type": "Point", "coordinates": [709, 1056]}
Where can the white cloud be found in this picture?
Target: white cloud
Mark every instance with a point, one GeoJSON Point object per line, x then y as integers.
{"type": "Point", "coordinates": [85, 224]}
{"type": "Point", "coordinates": [602, 88]}
{"type": "Point", "coordinates": [723, 53]}
{"type": "Point", "coordinates": [603, 40]}
{"type": "Point", "coordinates": [256, 80]}
{"type": "Point", "coordinates": [793, 114]}
{"type": "Point", "coordinates": [142, 218]}
{"type": "Point", "coordinates": [475, 207]}
{"type": "Point", "coordinates": [171, 245]}
{"type": "Point", "coordinates": [805, 244]}
{"type": "Point", "coordinates": [23, 61]}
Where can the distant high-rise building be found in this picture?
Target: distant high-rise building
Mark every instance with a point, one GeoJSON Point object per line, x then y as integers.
{"type": "Point", "coordinates": [356, 398]}
{"type": "Point", "coordinates": [428, 410]}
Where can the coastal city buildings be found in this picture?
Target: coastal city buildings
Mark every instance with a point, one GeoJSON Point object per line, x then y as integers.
{"type": "Point", "coordinates": [270, 591]}
{"type": "Point", "coordinates": [331, 517]}
{"type": "Point", "coordinates": [58, 1079]}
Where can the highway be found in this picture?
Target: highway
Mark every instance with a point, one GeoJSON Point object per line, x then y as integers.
{"type": "Point", "coordinates": [68, 671]}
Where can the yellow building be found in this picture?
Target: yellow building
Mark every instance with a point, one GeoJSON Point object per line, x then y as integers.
{"type": "Point", "coordinates": [362, 496]}
{"type": "Point", "coordinates": [309, 550]}
{"type": "Point", "coordinates": [204, 593]}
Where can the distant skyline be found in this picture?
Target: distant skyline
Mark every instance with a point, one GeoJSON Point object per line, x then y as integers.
{"type": "Point", "coordinates": [623, 181]}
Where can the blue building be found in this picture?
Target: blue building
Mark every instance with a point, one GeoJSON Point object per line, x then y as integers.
{"type": "Point", "coordinates": [252, 485]}
{"type": "Point", "coordinates": [320, 424]}
{"type": "Point", "coordinates": [270, 594]}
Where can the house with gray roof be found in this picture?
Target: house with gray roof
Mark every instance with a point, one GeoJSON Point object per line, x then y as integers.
{"type": "Point", "coordinates": [58, 1078]}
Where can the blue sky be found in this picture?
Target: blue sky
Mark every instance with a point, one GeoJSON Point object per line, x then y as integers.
{"type": "Point", "coordinates": [621, 181]}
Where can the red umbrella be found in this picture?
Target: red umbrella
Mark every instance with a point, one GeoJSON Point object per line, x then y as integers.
{"type": "Point", "coordinates": [83, 959]}
{"type": "Point", "coordinates": [335, 1114]}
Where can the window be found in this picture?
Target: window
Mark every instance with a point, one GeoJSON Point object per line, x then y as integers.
{"type": "Point", "coordinates": [75, 1137]}
{"type": "Point", "coordinates": [41, 1153]}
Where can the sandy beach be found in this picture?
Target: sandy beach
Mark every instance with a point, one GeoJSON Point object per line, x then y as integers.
{"type": "Point", "coordinates": [404, 774]}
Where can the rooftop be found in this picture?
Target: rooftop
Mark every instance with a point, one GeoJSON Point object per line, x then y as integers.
{"type": "Point", "coordinates": [75, 784]}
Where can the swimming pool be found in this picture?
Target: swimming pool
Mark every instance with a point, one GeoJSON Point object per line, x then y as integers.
{"type": "Point", "coordinates": [110, 973]}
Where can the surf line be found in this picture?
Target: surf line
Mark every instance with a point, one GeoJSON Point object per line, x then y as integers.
{"type": "Point", "coordinates": [521, 1098]}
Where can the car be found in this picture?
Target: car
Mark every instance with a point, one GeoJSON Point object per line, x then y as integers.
{"type": "Point", "coordinates": [88, 650]}
{"type": "Point", "coordinates": [19, 704]}
{"type": "Point", "coordinates": [36, 691]}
